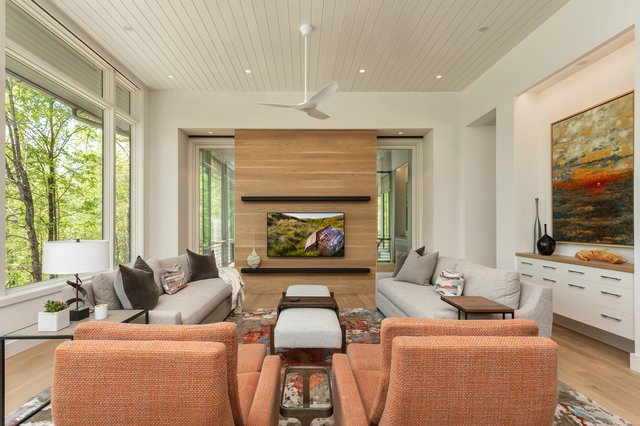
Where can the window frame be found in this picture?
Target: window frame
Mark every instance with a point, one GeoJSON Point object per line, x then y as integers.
{"type": "Point", "coordinates": [110, 112]}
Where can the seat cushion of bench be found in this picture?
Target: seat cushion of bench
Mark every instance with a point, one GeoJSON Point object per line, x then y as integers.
{"type": "Point", "coordinates": [308, 328]}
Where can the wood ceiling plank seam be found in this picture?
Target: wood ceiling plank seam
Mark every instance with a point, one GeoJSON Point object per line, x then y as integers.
{"type": "Point", "coordinates": [261, 69]}
{"type": "Point", "coordinates": [400, 65]}
{"type": "Point", "coordinates": [376, 39]}
{"type": "Point", "coordinates": [276, 44]}
{"type": "Point", "coordinates": [443, 35]}
{"type": "Point", "coordinates": [426, 36]}
{"type": "Point", "coordinates": [317, 21]}
{"type": "Point", "coordinates": [169, 17]}
{"type": "Point", "coordinates": [324, 52]}
{"type": "Point", "coordinates": [180, 44]}
{"type": "Point", "coordinates": [505, 45]}
{"type": "Point", "coordinates": [284, 30]}
{"type": "Point", "coordinates": [339, 45]}
{"type": "Point", "coordinates": [451, 48]}
{"type": "Point", "coordinates": [492, 51]}
{"type": "Point", "coordinates": [217, 40]}
{"type": "Point", "coordinates": [105, 36]}
{"type": "Point", "coordinates": [239, 38]}
{"type": "Point", "coordinates": [353, 39]}
{"type": "Point", "coordinates": [182, 74]}
{"type": "Point", "coordinates": [264, 38]}
{"type": "Point", "coordinates": [389, 52]}
{"type": "Point", "coordinates": [451, 81]}
{"type": "Point", "coordinates": [293, 7]}
{"type": "Point", "coordinates": [199, 48]}
{"type": "Point", "coordinates": [358, 56]}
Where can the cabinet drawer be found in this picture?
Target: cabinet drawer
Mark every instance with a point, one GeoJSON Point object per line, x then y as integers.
{"type": "Point", "coordinates": [526, 267]}
{"type": "Point", "coordinates": [614, 321]}
{"type": "Point", "coordinates": [614, 297]}
{"type": "Point", "coordinates": [550, 267]}
{"type": "Point", "coordinates": [578, 272]}
{"type": "Point", "coordinates": [577, 300]}
{"type": "Point", "coordinates": [605, 276]}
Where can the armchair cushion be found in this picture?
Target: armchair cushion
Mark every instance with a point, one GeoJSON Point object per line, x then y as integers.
{"type": "Point", "coordinates": [364, 356]}
{"type": "Point", "coordinates": [250, 357]}
{"type": "Point", "coordinates": [247, 384]}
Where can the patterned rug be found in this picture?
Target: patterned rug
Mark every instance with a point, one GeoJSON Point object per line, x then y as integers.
{"type": "Point", "coordinates": [363, 326]}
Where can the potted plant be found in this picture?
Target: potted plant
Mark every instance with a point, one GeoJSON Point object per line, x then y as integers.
{"type": "Point", "coordinates": [55, 316]}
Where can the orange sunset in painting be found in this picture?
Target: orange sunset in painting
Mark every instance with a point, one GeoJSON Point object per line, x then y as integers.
{"type": "Point", "coordinates": [592, 175]}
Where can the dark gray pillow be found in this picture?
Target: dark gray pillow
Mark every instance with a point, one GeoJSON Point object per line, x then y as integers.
{"type": "Point", "coordinates": [418, 269]}
{"type": "Point", "coordinates": [202, 266]}
{"type": "Point", "coordinates": [401, 256]}
{"type": "Point", "coordinates": [136, 288]}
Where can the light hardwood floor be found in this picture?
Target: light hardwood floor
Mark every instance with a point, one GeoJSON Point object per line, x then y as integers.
{"type": "Point", "coordinates": [595, 369]}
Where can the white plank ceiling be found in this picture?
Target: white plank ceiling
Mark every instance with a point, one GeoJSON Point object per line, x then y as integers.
{"type": "Point", "coordinates": [402, 44]}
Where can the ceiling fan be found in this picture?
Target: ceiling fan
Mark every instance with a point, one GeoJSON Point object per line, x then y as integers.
{"type": "Point", "coordinates": [309, 105]}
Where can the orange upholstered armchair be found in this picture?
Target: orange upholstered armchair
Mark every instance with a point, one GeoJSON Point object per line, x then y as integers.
{"type": "Point", "coordinates": [115, 373]}
{"type": "Point", "coordinates": [427, 371]}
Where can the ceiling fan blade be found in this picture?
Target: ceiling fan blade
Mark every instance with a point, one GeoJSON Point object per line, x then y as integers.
{"type": "Point", "coordinates": [316, 113]}
{"type": "Point", "coordinates": [324, 93]}
{"type": "Point", "coordinates": [276, 105]}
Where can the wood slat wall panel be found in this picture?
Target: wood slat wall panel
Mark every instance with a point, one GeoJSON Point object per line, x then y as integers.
{"type": "Point", "coordinates": [298, 162]}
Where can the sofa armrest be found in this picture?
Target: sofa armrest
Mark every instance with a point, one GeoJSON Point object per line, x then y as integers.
{"type": "Point", "coordinates": [347, 404]}
{"type": "Point", "coordinates": [383, 275]}
{"type": "Point", "coordinates": [536, 303]}
{"type": "Point", "coordinates": [266, 401]}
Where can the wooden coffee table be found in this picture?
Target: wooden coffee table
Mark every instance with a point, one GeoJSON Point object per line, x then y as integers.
{"type": "Point", "coordinates": [477, 305]}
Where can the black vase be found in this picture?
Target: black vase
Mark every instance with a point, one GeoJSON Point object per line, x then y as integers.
{"type": "Point", "coordinates": [546, 244]}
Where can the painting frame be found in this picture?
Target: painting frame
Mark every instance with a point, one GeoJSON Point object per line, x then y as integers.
{"type": "Point", "coordinates": [592, 174]}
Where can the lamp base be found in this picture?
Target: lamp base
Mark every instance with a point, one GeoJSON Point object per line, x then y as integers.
{"type": "Point", "coordinates": [79, 314]}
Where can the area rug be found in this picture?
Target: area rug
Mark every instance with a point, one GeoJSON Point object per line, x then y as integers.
{"type": "Point", "coordinates": [363, 326]}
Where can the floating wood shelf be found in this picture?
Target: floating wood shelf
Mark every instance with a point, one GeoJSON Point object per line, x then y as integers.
{"type": "Point", "coordinates": [305, 198]}
{"type": "Point", "coordinates": [306, 270]}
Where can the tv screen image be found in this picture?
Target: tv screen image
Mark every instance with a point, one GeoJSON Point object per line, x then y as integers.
{"type": "Point", "coordinates": [305, 234]}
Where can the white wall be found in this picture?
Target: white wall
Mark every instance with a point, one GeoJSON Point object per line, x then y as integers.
{"type": "Point", "coordinates": [171, 111]}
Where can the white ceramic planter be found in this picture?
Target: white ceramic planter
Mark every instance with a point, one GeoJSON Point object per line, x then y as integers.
{"type": "Point", "coordinates": [53, 321]}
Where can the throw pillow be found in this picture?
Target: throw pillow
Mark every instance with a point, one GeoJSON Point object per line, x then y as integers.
{"type": "Point", "coordinates": [103, 291]}
{"type": "Point", "coordinates": [173, 279]}
{"type": "Point", "coordinates": [401, 256]}
{"type": "Point", "coordinates": [449, 283]}
{"type": "Point", "coordinates": [136, 288]}
{"type": "Point", "coordinates": [202, 266]}
{"type": "Point", "coordinates": [417, 269]}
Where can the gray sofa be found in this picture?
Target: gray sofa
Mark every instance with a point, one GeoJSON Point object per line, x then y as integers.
{"type": "Point", "coordinates": [202, 301]}
{"type": "Point", "coordinates": [404, 299]}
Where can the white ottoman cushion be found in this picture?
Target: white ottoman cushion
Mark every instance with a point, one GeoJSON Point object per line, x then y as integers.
{"type": "Point", "coordinates": [307, 328]}
{"type": "Point", "coordinates": [308, 290]}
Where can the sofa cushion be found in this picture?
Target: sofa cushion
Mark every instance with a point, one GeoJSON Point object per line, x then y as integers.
{"type": "Point", "coordinates": [202, 266]}
{"type": "Point", "coordinates": [444, 262]}
{"type": "Point", "coordinates": [155, 267]}
{"type": "Point", "coordinates": [103, 291]}
{"type": "Point", "coordinates": [167, 263]}
{"type": "Point", "coordinates": [196, 301]}
{"type": "Point", "coordinates": [499, 285]}
{"type": "Point", "coordinates": [416, 300]}
{"type": "Point", "coordinates": [418, 269]}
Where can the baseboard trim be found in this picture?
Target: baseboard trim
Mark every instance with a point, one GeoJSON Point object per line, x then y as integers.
{"type": "Point", "coordinates": [610, 339]}
{"type": "Point", "coordinates": [634, 362]}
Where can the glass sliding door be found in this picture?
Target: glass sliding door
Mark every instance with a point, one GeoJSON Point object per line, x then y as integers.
{"type": "Point", "coordinates": [395, 220]}
{"type": "Point", "coordinates": [216, 203]}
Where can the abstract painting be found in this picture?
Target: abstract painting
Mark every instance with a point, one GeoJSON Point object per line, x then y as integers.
{"type": "Point", "coordinates": [592, 174]}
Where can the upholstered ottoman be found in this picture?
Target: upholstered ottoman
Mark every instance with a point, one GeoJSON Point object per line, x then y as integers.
{"type": "Point", "coordinates": [308, 318]}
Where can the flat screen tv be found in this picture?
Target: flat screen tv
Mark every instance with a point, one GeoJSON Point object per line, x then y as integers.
{"type": "Point", "coordinates": [305, 234]}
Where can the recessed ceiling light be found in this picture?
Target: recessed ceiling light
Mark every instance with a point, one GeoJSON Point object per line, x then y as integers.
{"type": "Point", "coordinates": [401, 133]}
{"type": "Point", "coordinates": [171, 76]}
{"type": "Point", "coordinates": [247, 71]}
{"type": "Point", "coordinates": [362, 70]}
{"type": "Point", "coordinates": [439, 76]}
{"type": "Point", "coordinates": [127, 27]}
{"type": "Point", "coordinates": [483, 29]}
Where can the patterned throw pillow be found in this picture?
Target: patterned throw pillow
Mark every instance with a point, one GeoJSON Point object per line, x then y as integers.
{"type": "Point", "coordinates": [173, 279]}
{"type": "Point", "coordinates": [449, 283]}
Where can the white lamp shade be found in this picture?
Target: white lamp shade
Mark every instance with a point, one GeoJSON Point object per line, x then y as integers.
{"type": "Point", "coordinates": [75, 257]}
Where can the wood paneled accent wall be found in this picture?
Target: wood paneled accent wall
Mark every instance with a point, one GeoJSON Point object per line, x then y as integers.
{"type": "Point", "coordinates": [307, 162]}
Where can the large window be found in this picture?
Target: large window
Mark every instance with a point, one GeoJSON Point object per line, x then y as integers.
{"type": "Point", "coordinates": [68, 146]}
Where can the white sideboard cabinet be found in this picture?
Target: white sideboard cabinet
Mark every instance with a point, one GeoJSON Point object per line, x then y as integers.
{"type": "Point", "coordinates": [594, 293]}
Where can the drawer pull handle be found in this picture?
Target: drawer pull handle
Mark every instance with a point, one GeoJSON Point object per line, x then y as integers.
{"type": "Point", "coordinates": [550, 280]}
{"type": "Point", "coordinates": [527, 263]}
{"type": "Point", "coordinates": [577, 286]}
{"type": "Point", "coordinates": [526, 275]}
{"type": "Point", "coordinates": [576, 272]}
{"type": "Point", "coordinates": [613, 318]}
{"type": "Point", "coordinates": [610, 294]}
{"type": "Point", "coordinates": [549, 267]}
{"type": "Point", "coordinates": [610, 278]}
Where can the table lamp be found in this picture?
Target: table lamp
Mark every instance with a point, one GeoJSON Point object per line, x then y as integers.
{"type": "Point", "coordinates": [76, 257]}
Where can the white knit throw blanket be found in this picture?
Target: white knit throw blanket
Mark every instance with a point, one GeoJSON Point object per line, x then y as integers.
{"type": "Point", "coordinates": [232, 277]}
